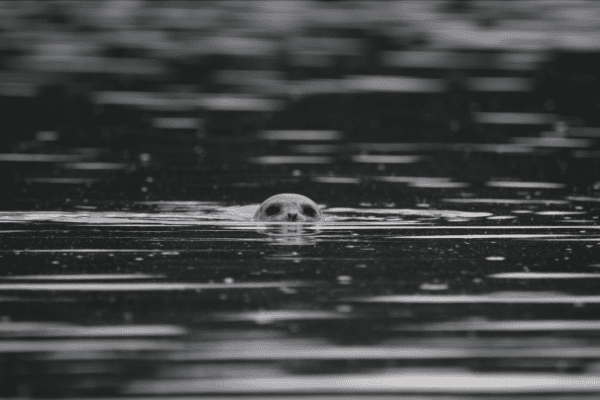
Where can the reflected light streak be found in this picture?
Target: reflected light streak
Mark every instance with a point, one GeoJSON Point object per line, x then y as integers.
{"type": "Point", "coordinates": [108, 166]}
{"type": "Point", "coordinates": [394, 84]}
{"type": "Point", "coordinates": [27, 157]}
{"type": "Point", "coordinates": [545, 275]}
{"type": "Point", "coordinates": [81, 277]}
{"type": "Point", "coordinates": [120, 287]}
{"type": "Point", "coordinates": [277, 351]}
{"type": "Point", "coordinates": [526, 185]}
{"type": "Point", "coordinates": [497, 298]}
{"type": "Point", "coordinates": [559, 142]}
{"type": "Point", "coordinates": [505, 236]}
{"type": "Point", "coordinates": [386, 159]}
{"type": "Point", "coordinates": [25, 346]}
{"type": "Point", "coordinates": [336, 179]}
{"type": "Point", "coordinates": [300, 135]}
{"type": "Point", "coordinates": [500, 84]}
{"type": "Point", "coordinates": [281, 315]}
{"type": "Point", "coordinates": [421, 382]}
{"type": "Point", "coordinates": [509, 118]}
{"type": "Point", "coordinates": [268, 160]}
{"type": "Point", "coordinates": [438, 185]}
{"type": "Point", "coordinates": [510, 326]}
{"type": "Point", "coordinates": [65, 181]}
{"type": "Point", "coordinates": [507, 201]}
{"type": "Point", "coordinates": [49, 329]}
{"type": "Point", "coordinates": [230, 103]}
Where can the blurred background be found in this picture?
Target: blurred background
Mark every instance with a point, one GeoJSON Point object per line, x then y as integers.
{"type": "Point", "coordinates": [453, 146]}
{"type": "Point", "coordinates": [116, 73]}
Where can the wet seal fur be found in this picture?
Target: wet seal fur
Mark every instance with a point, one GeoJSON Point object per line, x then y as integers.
{"type": "Point", "coordinates": [288, 207]}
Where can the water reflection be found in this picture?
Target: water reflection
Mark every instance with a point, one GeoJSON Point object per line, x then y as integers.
{"type": "Point", "coordinates": [460, 244]}
{"type": "Point", "coordinates": [290, 234]}
{"type": "Point", "coordinates": [241, 216]}
{"type": "Point", "coordinates": [375, 292]}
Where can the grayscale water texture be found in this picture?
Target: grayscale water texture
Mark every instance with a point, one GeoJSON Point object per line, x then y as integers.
{"type": "Point", "coordinates": [454, 157]}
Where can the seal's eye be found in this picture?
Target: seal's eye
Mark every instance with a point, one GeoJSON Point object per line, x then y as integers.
{"type": "Point", "coordinates": [308, 210]}
{"type": "Point", "coordinates": [272, 210]}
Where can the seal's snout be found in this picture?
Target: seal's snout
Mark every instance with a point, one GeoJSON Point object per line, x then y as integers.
{"type": "Point", "coordinates": [288, 207]}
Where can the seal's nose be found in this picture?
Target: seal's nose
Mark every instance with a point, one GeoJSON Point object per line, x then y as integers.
{"type": "Point", "coordinates": [292, 216]}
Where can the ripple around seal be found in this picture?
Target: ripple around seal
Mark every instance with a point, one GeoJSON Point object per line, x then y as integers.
{"type": "Point", "coordinates": [208, 213]}
{"type": "Point", "coordinates": [409, 212]}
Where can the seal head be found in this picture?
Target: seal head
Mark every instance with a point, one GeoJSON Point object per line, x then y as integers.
{"type": "Point", "coordinates": [288, 207]}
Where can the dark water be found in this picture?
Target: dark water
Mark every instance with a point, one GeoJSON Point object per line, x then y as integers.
{"type": "Point", "coordinates": [133, 268]}
{"type": "Point", "coordinates": [453, 148]}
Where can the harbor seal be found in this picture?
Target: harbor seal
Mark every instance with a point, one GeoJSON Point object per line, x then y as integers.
{"type": "Point", "coordinates": [288, 207]}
